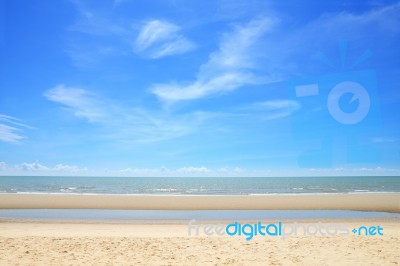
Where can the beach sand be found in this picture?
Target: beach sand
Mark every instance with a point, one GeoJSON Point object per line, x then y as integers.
{"type": "Point", "coordinates": [24, 242]}
{"type": "Point", "coordinates": [124, 243]}
{"type": "Point", "coordinates": [389, 202]}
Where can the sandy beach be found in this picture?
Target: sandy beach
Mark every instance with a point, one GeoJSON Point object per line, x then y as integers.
{"type": "Point", "coordinates": [105, 243]}
{"type": "Point", "coordinates": [389, 202]}
{"type": "Point", "coordinates": [135, 242]}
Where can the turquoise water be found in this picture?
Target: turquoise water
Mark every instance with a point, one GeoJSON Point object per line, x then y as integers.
{"type": "Point", "coordinates": [196, 186]}
{"type": "Point", "coordinates": [128, 215]}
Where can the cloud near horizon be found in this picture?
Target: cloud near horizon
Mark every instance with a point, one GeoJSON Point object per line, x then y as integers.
{"type": "Point", "coordinates": [60, 169]}
{"type": "Point", "coordinates": [41, 168]}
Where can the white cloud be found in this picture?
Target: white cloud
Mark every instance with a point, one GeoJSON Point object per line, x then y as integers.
{"type": "Point", "coordinates": [136, 125]}
{"type": "Point", "coordinates": [383, 19]}
{"type": "Point", "coordinates": [97, 34]}
{"type": "Point", "coordinates": [10, 129]}
{"type": "Point", "coordinates": [38, 168]}
{"type": "Point", "coordinates": [235, 48]}
{"type": "Point", "coordinates": [377, 169]}
{"type": "Point", "coordinates": [190, 171]}
{"type": "Point", "coordinates": [10, 134]}
{"type": "Point", "coordinates": [67, 168]}
{"type": "Point", "coordinates": [185, 171]}
{"type": "Point", "coordinates": [194, 170]}
{"type": "Point", "coordinates": [198, 89]}
{"type": "Point", "coordinates": [95, 22]}
{"type": "Point", "coordinates": [277, 104]}
{"type": "Point", "coordinates": [159, 39]}
{"type": "Point", "coordinates": [229, 171]}
{"type": "Point", "coordinates": [178, 46]}
{"type": "Point", "coordinates": [130, 170]}
{"type": "Point", "coordinates": [153, 32]}
{"type": "Point", "coordinates": [282, 55]}
{"type": "Point", "coordinates": [81, 102]}
{"type": "Point", "coordinates": [14, 121]}
{"type": "Point", "coordinates": [125, 124]}
{"type": "Point", "coordinates": [34, 167]}
{"type": "Point", "coordinates": [227, 69]}
{"type": "Point", "coordinates": [275, 109]}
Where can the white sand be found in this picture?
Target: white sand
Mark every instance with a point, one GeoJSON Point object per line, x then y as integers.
{"type": "Point", "coordinates": [83, 243]}
{"type": "Point", "coordinates": [101, 243]}
{"type": "Point", "coordinates": [389, 202]}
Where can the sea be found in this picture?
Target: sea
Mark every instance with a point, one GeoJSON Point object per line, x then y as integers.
{"type": "Point", "coordinates": [194, 186]}
{"type": "Point", "coordinates": [198, 185]}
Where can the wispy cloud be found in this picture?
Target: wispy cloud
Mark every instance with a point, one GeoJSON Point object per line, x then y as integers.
{"type": "Point", "coordinates": [235, 63]}
{"type": "Point", "coordinates": [159, 39]}
{"type": "Point", "coordinates": [384, 20]}
{"type": "Point", "coordinates": [153, 32]}
{"type": "Point", "coordinates": [179, 45]}
{"type": "Point", "coordinates": [79, 101]}
{"type": "Point", "coordinates": [10, 134]}
{"type": "Point", "coordinates": [101, 33]}
{"type": "Point", "coordinates": [274, 109]}
{"type": "Point", "coordinates": [227, 69]}
{"type": "Point", "coordinates": [97, 34]}
{"type": "Point", "coordinates": [201, 88]}
{"type": "Point", "coordinates": [124, 123]}
{"type": "Point", "coordinates": [96, 21]}
{"type": "Point", "coordinates": [276, 105]}
{"type": "Point", "coordinates": [11, 128]}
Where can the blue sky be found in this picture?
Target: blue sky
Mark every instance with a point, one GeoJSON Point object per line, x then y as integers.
{"type": "Point", "coordinates": [213, 88]}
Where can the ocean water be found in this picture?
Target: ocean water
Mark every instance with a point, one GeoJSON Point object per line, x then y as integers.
{"type": "Point", "coordinates": [198, 186]}
{"type": "Point", "coordinates": [220, 215]}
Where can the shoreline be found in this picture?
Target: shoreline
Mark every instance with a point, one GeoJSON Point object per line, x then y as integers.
{"type": "Point", "coordinates": [383, 202]}
{"type": "Point", "coordinates": [159, 216]}
{"type": "Point", "coordinates": [185, 222]}
{"type": "Point", "coordinates": [195, 195]}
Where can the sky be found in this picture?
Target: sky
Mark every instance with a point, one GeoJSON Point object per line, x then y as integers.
{"type": "Point", "coordinates": [199, 88]}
